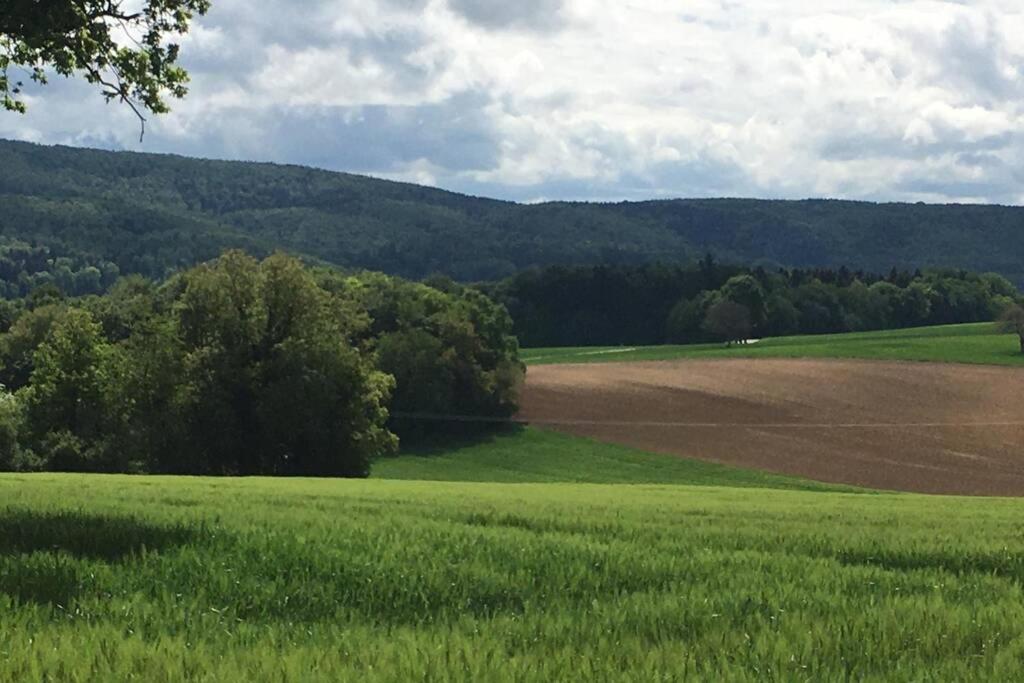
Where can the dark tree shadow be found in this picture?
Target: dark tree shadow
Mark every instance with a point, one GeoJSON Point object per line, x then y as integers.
{"type": "Point", "coordinates": [468, 436]}
{"type": "Point", "coordinates": [39, 552]}
{"type": "Point", "coordinates": [85, 535]}
{"type": "Point", "coordinates": [43, 580]}
{"type": "Point", "coordinates": [985, 563]}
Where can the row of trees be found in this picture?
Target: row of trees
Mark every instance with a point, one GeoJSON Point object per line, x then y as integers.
{"type": "Point", "coordinates": [607, 305]}
{"type": "Point", "coordinates": [245, 367]}
{"type": "Point", "coordinates": [773, 305]}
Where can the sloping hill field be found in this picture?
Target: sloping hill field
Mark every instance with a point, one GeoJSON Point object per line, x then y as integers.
{"type": "Point", "coordinates": [925, 427]}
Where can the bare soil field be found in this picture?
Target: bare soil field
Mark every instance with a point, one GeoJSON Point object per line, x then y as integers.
{"type": "Point", "coordinates": [925, 427]}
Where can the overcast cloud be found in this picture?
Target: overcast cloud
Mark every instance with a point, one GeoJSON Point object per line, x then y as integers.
{"type": "Point", "coordinates": [597, 99]}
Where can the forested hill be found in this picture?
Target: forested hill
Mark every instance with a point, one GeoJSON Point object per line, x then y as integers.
{"type": "Point", "coordinates": [128, 212]}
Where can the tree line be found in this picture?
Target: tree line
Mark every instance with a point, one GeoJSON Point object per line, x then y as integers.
{"type": "Point", "coordinates": [242, 366]}
{"type": "Point", "coordinates": [710, 301]}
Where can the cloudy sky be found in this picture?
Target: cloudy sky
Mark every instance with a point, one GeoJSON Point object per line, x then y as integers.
{"type": "Point", "coordinates": [597, 99]}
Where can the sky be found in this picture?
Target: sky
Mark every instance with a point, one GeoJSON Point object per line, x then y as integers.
{"type": "Point", "coordinates": [885, 100]}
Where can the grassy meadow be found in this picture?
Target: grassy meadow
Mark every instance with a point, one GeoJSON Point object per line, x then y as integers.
{"type": "Point", "coordinates": [532, 455]}
{"type": "Point", "coordinates": [165, 579]}
{"type": "Point", "coordinates": [970, 343]}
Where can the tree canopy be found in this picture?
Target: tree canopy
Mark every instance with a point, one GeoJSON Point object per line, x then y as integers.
{"type": "Point", "coordinates": [127, 52]}
{"type": "Point", "coordinates": [242, 366]}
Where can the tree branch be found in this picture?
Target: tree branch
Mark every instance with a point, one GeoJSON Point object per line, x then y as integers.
{"type": "Point", "coordinates": [119, 91]}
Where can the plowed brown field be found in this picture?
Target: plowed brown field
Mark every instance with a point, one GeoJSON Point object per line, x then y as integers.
{"type": "Point", "coordinates": [935, 428]}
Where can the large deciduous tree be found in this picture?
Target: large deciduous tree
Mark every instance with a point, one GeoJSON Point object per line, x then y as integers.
{"type": "Point", "coordinates": [271, 383]}
{"type": "Point", "coordinates": [126, 50]}
{"type": "Point", "coordinates": [73, 402]}
{"type": "Point", "coordinates": [1012, 322]}
{"type": "Point", "coordinates": [729, 321]}
{"type": "Point", "coordinates": [746, 291]}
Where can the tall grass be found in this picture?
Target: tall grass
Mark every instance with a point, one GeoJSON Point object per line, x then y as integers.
{"type": "Point", "coordinates": [166, 579]}
{"type": "Point", "coordinates": [971, 343]}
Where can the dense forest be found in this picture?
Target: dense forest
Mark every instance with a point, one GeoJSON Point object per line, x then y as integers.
{"type": "Point", "coordinates": [128, 213]}
{"type": "Point", "coordinates": [658, 303]}
{"type": "Point", "coordinates": [25, 268]}
{"type": "Point", "coordinates": [240, 366]}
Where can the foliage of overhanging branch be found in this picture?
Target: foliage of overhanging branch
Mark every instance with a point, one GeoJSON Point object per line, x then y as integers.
{"type": "Point", "coordinates": [128, 54]}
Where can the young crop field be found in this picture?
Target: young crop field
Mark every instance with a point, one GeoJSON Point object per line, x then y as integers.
{"type": "Point", "coordinates": [166, 579]}
{"type": "Point", "coordinates": [971, 343]}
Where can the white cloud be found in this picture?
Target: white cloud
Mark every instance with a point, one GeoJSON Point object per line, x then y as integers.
{"type": "Point", "coordinates": [919, 99]}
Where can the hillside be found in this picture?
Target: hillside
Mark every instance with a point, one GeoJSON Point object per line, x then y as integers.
{"type": "Point", "coordinates": [150, 213]}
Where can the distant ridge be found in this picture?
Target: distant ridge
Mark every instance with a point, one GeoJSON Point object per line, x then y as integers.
{"type": "Point", "coordinates": [153, 213]}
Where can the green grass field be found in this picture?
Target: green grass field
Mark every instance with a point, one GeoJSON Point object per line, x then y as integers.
{"type": "Point", "coordinates": [536, 455]}
{"type": "Point", "coordinates": [168, 579]}
{"type": "Point", "coordinates": [973, 343]}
